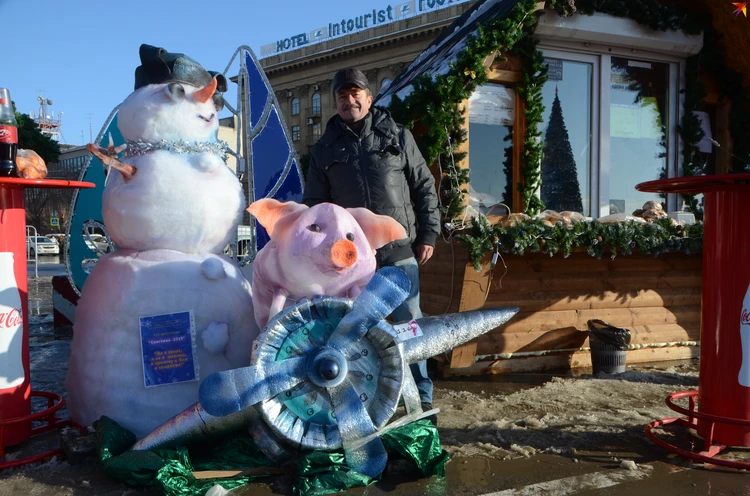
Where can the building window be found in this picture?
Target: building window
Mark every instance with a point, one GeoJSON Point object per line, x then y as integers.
{"type": "Point", "coordinates": [566, 133]}
{"type": "Point", "coordinates": [295, 133]}
{"type": "Point", "coordinates": [315, 134]}
{"type": "Point", "coordinates": [316, 104]}
{"type": "Point", "coordinates": [295, 106]}
{"type": "Point", "coordinates": [638, 140]}
{"type": "Point", "coordinates": [608, 124]}
{"type": "Point", "coordinates": [491, 119]}
{"type": "Point", "coordinates": [618, 103]}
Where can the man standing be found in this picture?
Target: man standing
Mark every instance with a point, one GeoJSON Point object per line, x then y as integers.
{"type": "Point", "coordinates": [365, 159]}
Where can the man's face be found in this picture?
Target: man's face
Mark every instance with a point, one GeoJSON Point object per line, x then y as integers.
{"type": "Point", "coordinates": [353, 104]}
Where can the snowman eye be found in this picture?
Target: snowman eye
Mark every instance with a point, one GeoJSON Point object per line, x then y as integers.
{"type": "Point", "coordinates": [350, 236]}
{"type": "Point", "coordinates": [314, 227]}
{"type": "Point", "coordinates": [175, 92]}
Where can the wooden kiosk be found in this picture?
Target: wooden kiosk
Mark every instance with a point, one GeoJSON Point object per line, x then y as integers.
{"type": "Point", "coordinates": [544, 92]}
{"type": "Point", "coordinates": [657, 299]}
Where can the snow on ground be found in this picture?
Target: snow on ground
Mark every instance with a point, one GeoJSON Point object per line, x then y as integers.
{"type": "Point", "coordinates": [561, 416]}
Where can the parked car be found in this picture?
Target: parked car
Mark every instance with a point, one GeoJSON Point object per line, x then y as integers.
{"type": "Point", "coordinates": [95, 241]}
{"type": "Point", "coordinates": [41, 245]}
{"type": "Point", "coordinates": [56, 236]}
{"type": "Point", "coordinates": [59, 238]}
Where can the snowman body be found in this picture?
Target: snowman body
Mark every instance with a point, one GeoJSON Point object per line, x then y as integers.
{"type": "Point", "coordinates": [182, 196]}
{"type": "Point", "coordinates": [184, 202]}
{"type": "Point", "coordinates": [106, 374]}
{"type": "Point", "coordinates": [171, 220]}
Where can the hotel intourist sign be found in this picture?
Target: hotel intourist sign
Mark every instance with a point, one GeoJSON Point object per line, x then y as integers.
{"type": "Point", "coordinates": [373, 18]}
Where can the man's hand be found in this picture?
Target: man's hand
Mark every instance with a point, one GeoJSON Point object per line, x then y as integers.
{"type": "Point", "coordinates": [424, 252]}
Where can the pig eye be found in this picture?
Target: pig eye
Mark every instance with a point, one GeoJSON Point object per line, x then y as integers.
{"type": "Point", "coordinates": [350, 236]}
{"type": "Point", "coordinates": [314, 227]}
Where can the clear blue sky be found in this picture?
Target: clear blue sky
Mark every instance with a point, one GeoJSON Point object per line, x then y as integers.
{"type": "Point", "coordinates": [82, 54]}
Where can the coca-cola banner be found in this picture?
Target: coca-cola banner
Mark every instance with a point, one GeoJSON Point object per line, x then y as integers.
{"type": "Point", "coordinates": [11, 325]}
{"type": "Point", "coordinates": [8, 134]}
{"type": "Point", "coordinates": [744, 375]}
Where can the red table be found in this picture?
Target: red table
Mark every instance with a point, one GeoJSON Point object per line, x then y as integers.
{"type": "Point", "coordinates": [15, 389]}
{"type": "Point", "coordinates": [723, 414]}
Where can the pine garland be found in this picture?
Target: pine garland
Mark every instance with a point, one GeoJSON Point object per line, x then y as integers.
{"type": "Point", "coordinates": [597, 239]}
{"type": "Point", "coordinates": [530, 91]}
{"type": "Point", "coordinates": [649, 13]}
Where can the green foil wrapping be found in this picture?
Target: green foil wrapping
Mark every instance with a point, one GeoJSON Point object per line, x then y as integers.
{"type": "Point", "coordinates": [317, 473]}
{"type": "Point", "coordinates": [321, 472]}
{"type": "Point", "coordinates": [419, 442]}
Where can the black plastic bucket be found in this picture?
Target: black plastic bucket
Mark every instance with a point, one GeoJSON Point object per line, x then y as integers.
{"type": "Point", "coordinates": [606, 358]}
{"type": "Point", "coordinates": [608, 345]}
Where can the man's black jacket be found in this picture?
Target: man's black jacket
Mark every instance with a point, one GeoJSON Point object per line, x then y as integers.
{"type": "Point", "coordinates": [383, 171]}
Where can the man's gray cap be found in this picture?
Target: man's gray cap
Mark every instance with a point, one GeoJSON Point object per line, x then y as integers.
{"type": "Point", "coordinates": [347, 77]}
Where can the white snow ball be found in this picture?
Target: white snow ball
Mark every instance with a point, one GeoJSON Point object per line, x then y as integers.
{"type": "Point", "coordinates": [215, 337]}
{"type": "Point", "coordinates": [213, 269]}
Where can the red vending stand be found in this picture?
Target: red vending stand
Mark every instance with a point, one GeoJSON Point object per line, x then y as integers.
{"type": "Point", "coordinates": [722, 417]}
{"type": "Point", "coordinates": [15, 386]}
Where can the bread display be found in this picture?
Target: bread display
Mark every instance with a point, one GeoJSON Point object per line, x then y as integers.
{"type": "Point", "coordinates": [30, 165]}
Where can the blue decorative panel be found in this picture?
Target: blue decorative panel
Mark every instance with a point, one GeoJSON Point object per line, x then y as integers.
{"type": "Point", "coordinates": [87, 210]}
{"type": "Point", "coordinates": [273, 159]}
{"type": "Point", "coordinates": [270, 155]}
{"type": "Point", "coordinates": [259, 90]}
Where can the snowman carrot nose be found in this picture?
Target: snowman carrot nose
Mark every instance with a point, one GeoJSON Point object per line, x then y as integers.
{"type": "Point", "coordinates": [205, 93]}
{"type": "Point", "coordinates": [343, 253]}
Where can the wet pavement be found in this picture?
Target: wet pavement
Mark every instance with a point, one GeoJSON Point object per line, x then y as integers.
{"type": "Point", "coordinates": [623, 462]}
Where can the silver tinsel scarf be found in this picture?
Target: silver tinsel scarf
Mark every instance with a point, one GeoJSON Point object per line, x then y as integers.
{"type": "Point", "coordinates": [182, 147]}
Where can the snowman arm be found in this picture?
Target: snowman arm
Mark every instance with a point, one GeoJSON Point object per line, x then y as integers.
{"type": "Point", "coordinates": [108, 157]}
{"type": "Point", "coordinates": [278, 302]}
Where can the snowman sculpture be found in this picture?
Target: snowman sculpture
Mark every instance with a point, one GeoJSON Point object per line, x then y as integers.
{"type": "Point", "coordinates": [166, 309]}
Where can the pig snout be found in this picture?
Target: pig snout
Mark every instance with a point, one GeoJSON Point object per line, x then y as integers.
{"type": "Point", "coordinates": [343, 254]}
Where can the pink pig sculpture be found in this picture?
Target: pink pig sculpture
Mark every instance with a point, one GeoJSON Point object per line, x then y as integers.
{"type": "Point", "coordinates": [320, 250]}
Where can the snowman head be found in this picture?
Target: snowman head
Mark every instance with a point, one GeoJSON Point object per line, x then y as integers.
{"type": "Point", "coordinates": [175, 99]}
{"type": "Point", "coordinates": [171, 111]}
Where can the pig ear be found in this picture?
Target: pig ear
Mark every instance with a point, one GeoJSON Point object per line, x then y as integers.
{"type": "Point", "coordinates": [379, 229]}
{"type": "Point", "coordinates": [269, 211]}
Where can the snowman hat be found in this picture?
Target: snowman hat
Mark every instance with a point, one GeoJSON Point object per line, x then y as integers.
{"type": "Point", "coordinates": [160, 66]}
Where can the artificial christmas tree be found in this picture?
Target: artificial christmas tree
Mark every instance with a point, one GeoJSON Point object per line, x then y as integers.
{"type": "Point", "coordinates": [560, 188]}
